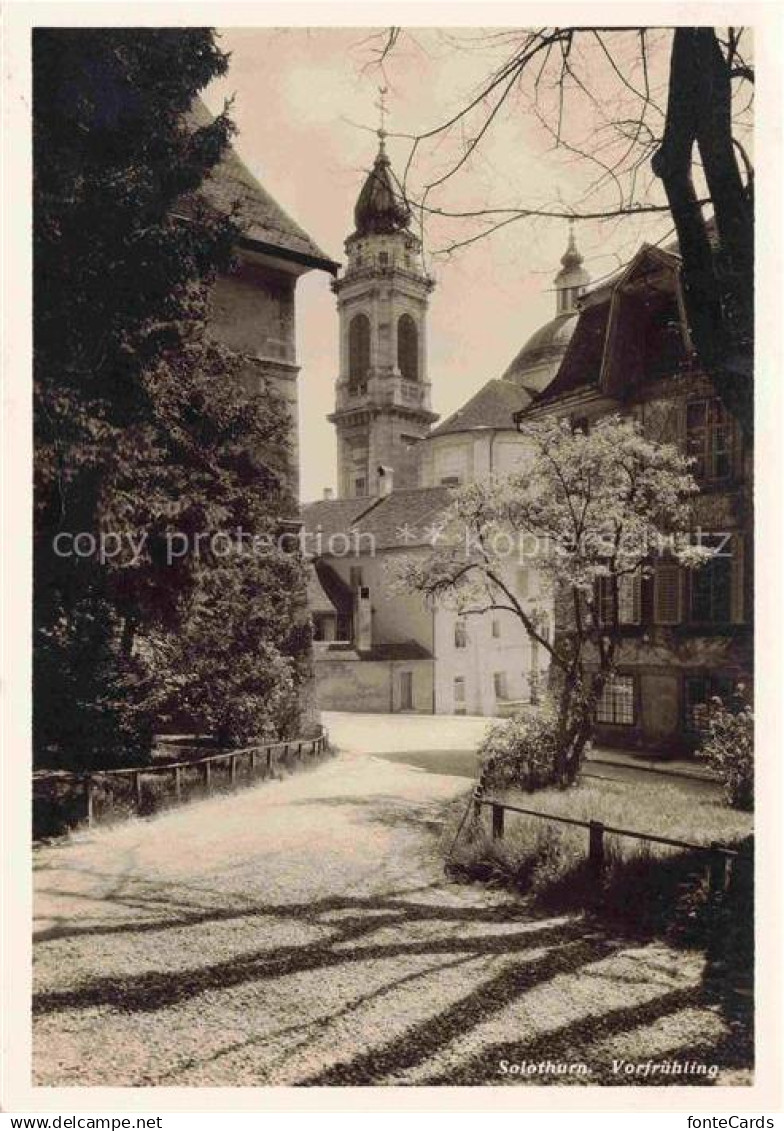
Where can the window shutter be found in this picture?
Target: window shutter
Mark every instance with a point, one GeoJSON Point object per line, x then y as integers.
{"type": "Point", "coordinates": [630, 598]}
{"type": "Point", "coordinates": [667, 594]}
{"type": "Point", "coordinates": [738, 611]}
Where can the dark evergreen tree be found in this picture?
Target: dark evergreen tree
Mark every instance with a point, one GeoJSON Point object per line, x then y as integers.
{"type": "Point", "coordinates": [142, 427]}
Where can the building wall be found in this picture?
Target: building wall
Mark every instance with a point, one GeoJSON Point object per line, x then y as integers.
{"type": "Point", "coordinates": [397, 617]}
{"type": "Point", "coordinates": [472, 456]}
{"type": "Point", "coordinates": [350, 684]}
{"type": "Point", "coordinates": [252, 311]}
{"type": "Point", "coordinates": [662, 658]}
{"type": "Point", "coordinates": [485, 655]}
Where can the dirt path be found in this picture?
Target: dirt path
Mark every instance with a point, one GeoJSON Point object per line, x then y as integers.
{"type": "Point", "coordinates": [301, 932]}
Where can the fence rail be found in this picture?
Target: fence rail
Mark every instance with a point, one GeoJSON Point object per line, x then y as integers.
{"type": "Point", "coordinates": [259, 761]}
{"type": "Point", "coordinates": [720, 858]}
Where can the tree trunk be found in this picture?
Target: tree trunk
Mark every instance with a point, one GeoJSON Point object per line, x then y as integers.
{"type": "Point", "coordinates": [717, 287]}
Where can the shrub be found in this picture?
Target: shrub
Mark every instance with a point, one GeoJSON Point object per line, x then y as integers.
{"type": "Point", "coordinates": [520, 752]}
{"type": "Point", "coordinates": [728, 748]}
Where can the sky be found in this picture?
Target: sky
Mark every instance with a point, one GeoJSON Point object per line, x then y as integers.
{"type": "Point", "coordinates": [305, 105]}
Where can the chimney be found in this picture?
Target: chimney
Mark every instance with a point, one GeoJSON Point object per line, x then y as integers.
{"type": "Point", "coordinates": [329, 493]}
{"type": "Point", "coordinates": [385, 480]}
{"type": "Point", "coordinates": [363, 620]}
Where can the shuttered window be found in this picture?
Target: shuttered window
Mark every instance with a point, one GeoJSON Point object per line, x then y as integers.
{"type": "Point", "coordinates": [667, 593]}
{"type": "Point", "coordinates": [738, 580]}
{"type": "Point", "coordinates": [710, 592]}
{"type": "Point", "coordinates": [630, 598]}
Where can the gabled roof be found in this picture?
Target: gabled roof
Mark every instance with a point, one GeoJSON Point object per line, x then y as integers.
{"type": "Point", "coordinates": [400, 520]}
{"type": "Point", "coordinates": [492, 407]}
{"type": "Point", "coordinates": [588, 362]}
{"type": "Point", "coordinates": [231, 189]}
{"type": "Point", "coordinates": [333, 516]}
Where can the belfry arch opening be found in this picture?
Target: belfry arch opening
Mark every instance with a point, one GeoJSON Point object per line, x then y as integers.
{"type": "Point", "coordinates": [408, 347]}
{"type": "Point", "coordinates": [358, 350]}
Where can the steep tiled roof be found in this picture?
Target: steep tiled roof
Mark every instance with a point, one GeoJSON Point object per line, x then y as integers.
{"type": "Point", "coordinates": [333, 516]}
{"type": "Point", "coordinates": [402, 518]}
{"type": "Point", "coordinates": [232, 188]}
{"type": "Point", "coordinates": [583, 361]}
{"type": "Point", "coordinates": [395, 521]}
{"type": "Point", "coordinates": [492, 407]}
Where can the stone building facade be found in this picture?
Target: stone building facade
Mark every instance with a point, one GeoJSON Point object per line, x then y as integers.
{"type": "Point", "coordinates": [687, 633]}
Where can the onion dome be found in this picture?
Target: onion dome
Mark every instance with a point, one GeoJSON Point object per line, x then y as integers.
{"type": "Point", "coordinates": [379, 207]}
{"type": "Point", "coordinates": [572, 273]}
{"type": "Point", "coordinates": [538, 360]}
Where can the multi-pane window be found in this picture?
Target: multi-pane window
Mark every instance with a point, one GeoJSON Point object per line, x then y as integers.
{"type": "Point", "coordinates": [461, 633]}
{"type": "Point", "coordinates": [709, 436]}
{"type": "Point", "coordinates": [523, 581]}
{"type": "Point", "coordinates": [710, 592]}
{"type": "Point", "coordinates": [699, 692]}
{"type": "Point", "coordinates": [500, 686]}
{"type": "Point", "coordinates": [629, 586]}
{"type": "Point", "coordinates": [360, 485]}
{"type": "Point", "coordinates": [616, 704]}
{"type": "Point", "coordinates": [496, 627]}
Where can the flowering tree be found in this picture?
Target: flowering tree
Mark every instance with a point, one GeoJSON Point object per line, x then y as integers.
{"type": "Point", "coordinates": [590, 512]}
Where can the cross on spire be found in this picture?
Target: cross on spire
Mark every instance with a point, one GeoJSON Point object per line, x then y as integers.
{"type": "Point", "coordinates": [383, 111]}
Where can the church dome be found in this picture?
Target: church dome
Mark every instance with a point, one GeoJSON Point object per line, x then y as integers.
{"type": "Point", "coordinates": [546, 346]}
{"type": "Point", "coordinates": [538, 361]}
{"type": "Point", "coordinates": [379, 207]}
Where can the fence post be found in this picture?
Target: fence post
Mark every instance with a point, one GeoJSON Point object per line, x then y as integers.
{"type": "Point", "coordinates": [498, 821]}
{"type": "Point", "coordinates": [596, 846]}
{"type": "Point", "coordinates": [477, 816]}
{"type": "Point", "coordinates": [208, 776]}
{"type": "Point", "coordinates": [717, 869]}
{"type": "Point", "coordinates": [89, 798]}
{"type": "Point", "coordinates": [253, 760]}
{"type": "Point", "coordinates": [137, 789]}
{"type": "Point", "coordinates": [233, 769]}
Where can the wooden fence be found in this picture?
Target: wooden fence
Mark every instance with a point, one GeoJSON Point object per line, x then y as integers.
{"type": "Point", "coordinates": [224, 770]}
{"type": "Point", "coordinates": [719, 858]}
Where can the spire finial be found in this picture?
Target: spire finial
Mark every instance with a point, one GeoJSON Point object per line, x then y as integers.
{"type": "Point", "coordinates": [383, 111]}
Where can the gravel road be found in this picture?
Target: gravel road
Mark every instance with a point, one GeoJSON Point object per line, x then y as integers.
{"type": "Point", "coordinates": [302, 933]}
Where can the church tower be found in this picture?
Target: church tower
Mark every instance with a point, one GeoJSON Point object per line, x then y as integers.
{"type": "Point", "coordinates": [382, 392]}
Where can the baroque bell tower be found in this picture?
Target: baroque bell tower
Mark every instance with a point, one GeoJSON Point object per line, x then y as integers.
{"type": "Point", "coordinates": [382, 392]}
